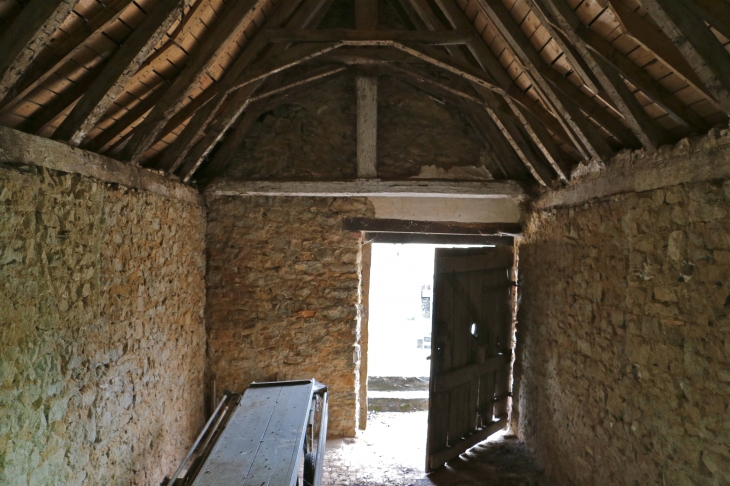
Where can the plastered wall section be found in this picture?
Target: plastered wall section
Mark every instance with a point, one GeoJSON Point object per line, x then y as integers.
{"type": "Point", "coordinates": [102, 342]}
{"type": "Point", "coordinates": [283, 296]}
{"type": "Point", "coordinates": [624, 335]}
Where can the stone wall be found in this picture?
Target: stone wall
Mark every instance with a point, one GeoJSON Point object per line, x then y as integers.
{"type": "Point", "coordinates": [283, 294]}
{"type": "Point", "coordinates": [102, 344]}
{"type": "Point", "coordinates": [624, 338]}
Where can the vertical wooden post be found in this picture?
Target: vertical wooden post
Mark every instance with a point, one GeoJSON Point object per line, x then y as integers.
{"type": "Point", "coordinates": [366, 87]}
{"type": "Point", "coordinates": [367, 126]}
{"type": "Point", "coordinates": [365, 256]}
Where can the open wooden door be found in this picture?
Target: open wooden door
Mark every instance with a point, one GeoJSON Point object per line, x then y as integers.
{"type": "Point", "coordinates": [471, 349]}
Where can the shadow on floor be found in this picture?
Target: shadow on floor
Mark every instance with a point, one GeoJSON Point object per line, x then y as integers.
{"type": "Point", "coordinates": [392, 452]}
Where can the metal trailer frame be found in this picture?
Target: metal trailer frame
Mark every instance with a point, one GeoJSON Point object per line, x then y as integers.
{"type": "Point", "coordinates": [261, 436]}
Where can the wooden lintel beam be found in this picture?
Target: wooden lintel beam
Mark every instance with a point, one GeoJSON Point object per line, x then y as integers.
{"type": "Point", "coordinates": [367, 188]}
{"type": "Point", "coordinates": [699, 46]}
{"type": "Point", "coordinates": [117, 72]}
{"type": "Point", "coordinates": [366, 91]}
{"type": "Point", "coordinates": [416, 238]}
{"type": "Point", "coordinates": [235, 16]}
{"type": "Point", "coordinates": [25, 37]}
{"type": "Point", "coordinates": [42, 69]}
{"type": "Point", "coordinates": [373, 225]}
{"type": "Point", "coordinates": [439, 38]}
{"type": "Point", "coordinates": [649, 133]}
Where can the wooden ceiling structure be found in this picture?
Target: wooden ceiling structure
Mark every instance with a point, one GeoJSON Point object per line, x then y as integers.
{"type": "Point", "coordinates": [175, 85]}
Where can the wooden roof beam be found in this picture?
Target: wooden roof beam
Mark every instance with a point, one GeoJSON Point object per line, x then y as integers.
{"type": "Point", "coordinates": [63, 51]}
{"type": "Point", "coordinates": [227, 113]}
{"type": "Point", "coordinates": [494, 140]}
{"type": "Point", "coordinates": [494, 102]}
{"type": "Point", "coordinates": [367, 188]}
{"type": "Point", "coordinates": [651, 135]}
{"type": "Point", "coordinates": [188, 153]}
{"type": "Point", "coordinates": [699, 46]}
{"type": "Point", "coordinates": [652, 88]}
{"type": "Point", "coordinates": [486, 58]}
{"type": "Point", "coordinates": [541, 73]}
{"type": "Point", "coordinates": [716, 13]}
{"type": "Point", "coordinates": [273, 97]}
{"type": "Point", "coordinates": [173, 155]}
{"type": "Point", "coordinates": [305, 78]}
{"type": "Point", "coordinates": [371, 37]}
{"type": "Point", "coordinates": [653, 40]}
{"type": "Point", "coordinates": [25, 37]}
{"type": "Point", "coordinates": [118, 71]}
{"type": "Point", "coordinates": [235, 16]}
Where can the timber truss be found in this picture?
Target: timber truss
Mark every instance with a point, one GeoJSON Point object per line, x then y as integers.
{"type": "Point", "coordinates": [175, 85]}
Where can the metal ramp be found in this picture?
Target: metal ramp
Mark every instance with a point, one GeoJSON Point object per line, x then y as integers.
{"type": "Point", "coordinates": [273, 434]}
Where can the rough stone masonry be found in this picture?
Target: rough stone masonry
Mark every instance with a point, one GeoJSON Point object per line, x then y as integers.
{"type": "Point", "coordinates": [624, 331]}
{"type": "Point", "coordinates": [102, 342]}
{"type": "Point", "coordinates": [282, 301]}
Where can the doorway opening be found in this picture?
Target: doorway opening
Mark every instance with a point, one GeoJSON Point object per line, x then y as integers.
{"type": "Point", "coordinates": [412, 289]}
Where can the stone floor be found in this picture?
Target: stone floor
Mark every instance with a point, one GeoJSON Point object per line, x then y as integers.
{"type": "Point", "coordinates": [392, 452]}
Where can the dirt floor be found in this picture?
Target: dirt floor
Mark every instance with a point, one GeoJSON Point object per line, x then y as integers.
{"type": "Point", "coordinates": [392, 452]}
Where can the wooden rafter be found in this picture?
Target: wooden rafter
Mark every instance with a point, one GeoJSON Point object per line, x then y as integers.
{"type": "Point", "coordinates": [699, 46]}
{"type": "Point", "coordinates": [22, 41]}
{"type": "Point", "coordinates": [42, 69]}
{"type": "Point", "coordinates": [235, 16]}
{"type": "Point", "coordinates": [653, 40]}
{"type": "Point", "coordinates": [494, 102]}
{"type": "Point", "coordinates": [117, 72]}
{"type": "Point", "coordinates": [489, 63]}
{"type": "Point", "coordinates": [651, 135]}
{"type": "Point", "coordinates": [652, 88]}
{"type": "Point", "coordinates": [191, 156]}
{"type": "Point", "coordinates": [571, 101]}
